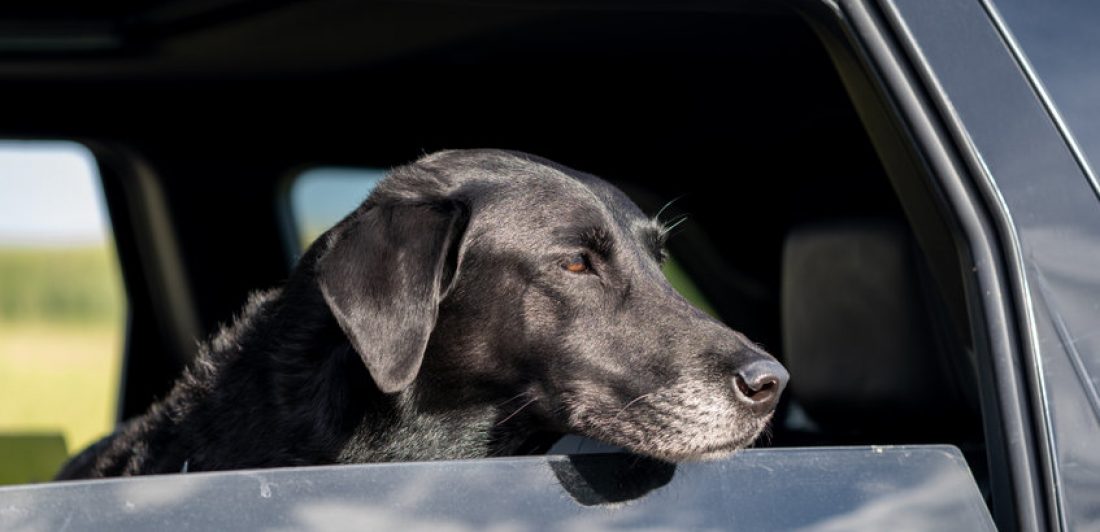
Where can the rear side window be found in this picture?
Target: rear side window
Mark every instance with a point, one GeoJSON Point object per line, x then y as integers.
{"type": "Point", "coordinates": [62, 308]}
{"type": "Point", "coordinates": [320, 197]}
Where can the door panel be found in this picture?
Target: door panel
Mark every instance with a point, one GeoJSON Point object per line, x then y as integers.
{"type": "Point", "coordinates": [865, 488]}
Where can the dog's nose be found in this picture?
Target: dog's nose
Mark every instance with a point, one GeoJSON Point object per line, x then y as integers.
{"type": "Point", "coordinates": [759, 383]}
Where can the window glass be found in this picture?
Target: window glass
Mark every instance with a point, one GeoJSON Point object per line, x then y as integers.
{"type": "Point", "coordinates": [62, 308]}
{"type": "Point", "coordinates": [320, 197]}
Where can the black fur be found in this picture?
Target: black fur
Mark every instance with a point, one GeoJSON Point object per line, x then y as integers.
{"type": "Point", "coordinates": [438, 321]}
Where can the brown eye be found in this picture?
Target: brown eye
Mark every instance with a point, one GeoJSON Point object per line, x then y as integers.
{"type": "Point", "coordinates": [576, 264]}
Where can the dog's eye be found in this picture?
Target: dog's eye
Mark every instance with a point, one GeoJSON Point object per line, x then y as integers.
{"type": "Point", "coordinates": [576, 264]}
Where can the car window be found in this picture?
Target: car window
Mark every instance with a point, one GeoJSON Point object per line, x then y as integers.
{"type": "Point", "coordinates": [62, 308]}
{"type": "Point", "coordinates": [321, 196]}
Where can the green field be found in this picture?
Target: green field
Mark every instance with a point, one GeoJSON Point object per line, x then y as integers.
{"type": "Point", "coordinates": [61, 327]}
{"type": "Point", "coordinates": [59, 379]}
{"type": "Point", "coordinates": [78, 285]}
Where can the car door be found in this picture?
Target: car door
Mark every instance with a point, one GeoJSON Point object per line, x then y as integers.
{"type": "Point", "coordinates": [1042, 199]}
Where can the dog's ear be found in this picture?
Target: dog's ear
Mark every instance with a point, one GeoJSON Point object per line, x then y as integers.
{"type": "Point", "coordinates": [383, 277]}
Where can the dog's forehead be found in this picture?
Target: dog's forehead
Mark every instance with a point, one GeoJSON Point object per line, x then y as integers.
{"type": "Point", "coordinates": [517, 200]}
{"type": "Point", "coordinates": [525, 190]}
{"type": "Point", "coordinates": [546, 199]}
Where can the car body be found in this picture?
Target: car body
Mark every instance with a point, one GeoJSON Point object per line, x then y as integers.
{"type": "Point", "coordinates": [990, 172]}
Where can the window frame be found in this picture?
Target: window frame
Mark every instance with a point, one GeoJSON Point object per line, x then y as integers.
{"type": "Point", "coordinates": [162, 326]}
{"type": "Point", "coordinates": [869, 35]}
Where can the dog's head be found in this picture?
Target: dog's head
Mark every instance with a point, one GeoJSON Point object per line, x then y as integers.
{"type": "Point", "coordinates": [505, 275]}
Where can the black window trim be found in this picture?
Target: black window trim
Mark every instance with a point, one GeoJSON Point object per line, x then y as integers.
{"type": "Point", "coordinates": [870, 35]}
{"type": "Point", "coordinates": [162, 330]}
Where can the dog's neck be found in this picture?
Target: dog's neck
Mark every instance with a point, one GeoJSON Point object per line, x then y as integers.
{"type": "Point", "coordinates": [431, 422]}
{"type": "Point", "coordinates": [322, 406]}
{"type": "Point", "coordinates": [404, 430]}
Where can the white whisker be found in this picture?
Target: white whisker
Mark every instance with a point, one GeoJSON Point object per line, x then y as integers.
{"type": "Point", "coordinates": [628, 405]}
{"type": "Point", "coordinates": [514, 397]}
{"type": "Point", "coordinates": [657, 217]}
{"type": "Point", "coordinates": [513, 414]}
{"type": "Point", "coordinates": [675, 222]}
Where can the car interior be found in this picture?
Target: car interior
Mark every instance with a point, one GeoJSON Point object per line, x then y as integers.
{"type": "Point", "coordinates": [811, 225]}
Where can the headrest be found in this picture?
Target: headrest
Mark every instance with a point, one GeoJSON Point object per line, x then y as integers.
{"type": "Point", "coordinates": [859, 333]}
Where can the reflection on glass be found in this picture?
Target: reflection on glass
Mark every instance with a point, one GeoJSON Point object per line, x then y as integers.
{"type": "Point", "coordinates": [1061, 42]}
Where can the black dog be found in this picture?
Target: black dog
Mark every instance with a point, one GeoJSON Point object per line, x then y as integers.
{"type": "Point", "coordinates": [478, 303]}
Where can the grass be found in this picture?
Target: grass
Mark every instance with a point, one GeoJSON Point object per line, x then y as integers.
{"type": "Point", "coordinates": [61, 333]}
{"type": "Point", "coordinates": [78, 285]}
{"type": "Point", "coordinates": [59, 378]}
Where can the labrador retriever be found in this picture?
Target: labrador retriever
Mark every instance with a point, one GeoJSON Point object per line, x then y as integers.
{"type": "Point", "coordinates": [478, 303]}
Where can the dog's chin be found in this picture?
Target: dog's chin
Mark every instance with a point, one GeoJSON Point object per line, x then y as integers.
{"type": "Point", "coordinates": [699, 447]}
{"type": "Point", "coordinates": [695, 453]}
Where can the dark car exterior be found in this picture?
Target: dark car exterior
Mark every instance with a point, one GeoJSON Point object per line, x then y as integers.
{"type": "Point", "coordinates": [1041, 199]}
{"type": "Point", "coordinates": [972, 91]}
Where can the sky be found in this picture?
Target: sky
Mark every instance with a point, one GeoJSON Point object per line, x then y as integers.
{"type": "Point", "coordinates": [49, 195]}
